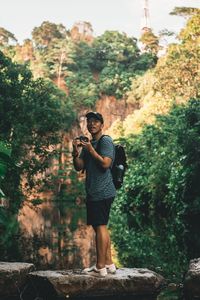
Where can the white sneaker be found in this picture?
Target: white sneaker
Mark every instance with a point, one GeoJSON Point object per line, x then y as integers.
{"type": "Point", "coordinates": [90, 269]}
{"type": "Point", "coordinates": [111, 268]}
{"type": "Point", "coordinates": [99, 272]}
{"type": "Point", "coordinates": [95, 272]}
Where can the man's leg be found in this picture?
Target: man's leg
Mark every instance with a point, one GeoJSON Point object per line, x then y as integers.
{"type": "Point", "coordinates": [108, 253]}
{"type": "Point", "coordinates": [102, 244]}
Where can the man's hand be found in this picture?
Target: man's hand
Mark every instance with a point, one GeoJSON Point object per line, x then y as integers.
{"type": "Point", "coordinates": [77, 162]}
{"type": "Point", "coordinates": [75, 151]}
{"type": "Point", "coordinates": [105, 162]}
{"type": "Point", "coordinates": [87, 145]}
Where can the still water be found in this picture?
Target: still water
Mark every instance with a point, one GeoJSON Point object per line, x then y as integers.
{"type": "Point", "coordinates": [55, 236]}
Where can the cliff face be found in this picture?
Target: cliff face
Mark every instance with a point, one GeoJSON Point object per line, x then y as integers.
{"type": "Point", "coordinates": [112, 111]}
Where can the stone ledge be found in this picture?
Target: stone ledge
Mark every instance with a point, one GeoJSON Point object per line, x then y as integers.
{"type": "Point", "coordinates": [20, 280]}
{"type": "Point", "coordinates": [13, 276]}
{"type": "Point", "coordinates": [73, 283]}
{"type": "Point", "coordinates": [192, 280]}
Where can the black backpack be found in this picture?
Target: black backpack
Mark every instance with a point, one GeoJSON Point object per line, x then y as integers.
{"type": "Point", "coordinates": [119, 164]}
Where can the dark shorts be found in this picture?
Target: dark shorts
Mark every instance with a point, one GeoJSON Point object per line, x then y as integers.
{"type": "Point", "coordinates": [98, 211]}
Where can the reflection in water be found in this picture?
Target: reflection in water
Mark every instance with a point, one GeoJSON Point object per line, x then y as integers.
{"type": "Point", "coordinates": [55, 236]}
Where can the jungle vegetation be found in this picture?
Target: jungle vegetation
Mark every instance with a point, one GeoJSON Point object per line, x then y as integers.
{"type": "Point", "coordinates": [52, 76]}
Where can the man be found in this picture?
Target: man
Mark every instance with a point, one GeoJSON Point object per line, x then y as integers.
{"type": "Point", "coordinates": [100, 190]}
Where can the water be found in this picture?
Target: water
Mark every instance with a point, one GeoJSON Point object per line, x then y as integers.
{"type": "Point", "coordinates": [55, 237]}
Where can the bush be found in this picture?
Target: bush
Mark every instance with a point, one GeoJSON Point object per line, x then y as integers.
{"type": "Point", "coordinates": [155, 219]}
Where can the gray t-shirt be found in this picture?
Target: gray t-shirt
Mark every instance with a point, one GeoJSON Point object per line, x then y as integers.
{"type": "Point", "coordinates": [99, 184]}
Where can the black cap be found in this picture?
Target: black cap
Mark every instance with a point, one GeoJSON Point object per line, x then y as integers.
{"type": "Point", "coordinates": [95, 115]}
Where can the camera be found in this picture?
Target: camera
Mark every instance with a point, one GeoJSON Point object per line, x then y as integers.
{"type": "Point", "coordinates": [82, 138]}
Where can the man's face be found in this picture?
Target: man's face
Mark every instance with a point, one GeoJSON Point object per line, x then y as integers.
{"type": "Point", "coordinates": [94, 126]}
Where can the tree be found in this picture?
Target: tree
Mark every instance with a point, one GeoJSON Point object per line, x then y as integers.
{"type": "Point", "coordinates": [114, 47]}
{"type": "Point", "coordinates": [82, 32]}
{"type": "Point", "coordinates": [118, 59]}
{"type": "Point", "coordinates": [24, 52]}
{"type": "Point", "coordinates": [150, 42]}
{"type": "Point", "coordinates": [177, 75]}
{"type": "Point", "coordinates": [52, 53]}
{"type": "Point", "coordinates": [184, 11]}
{"type": "Point", "coordinates": [33, 115]}
{"type": "Point", "coordinates": [191, 32]}
{"type": "Point", "coordinates": [46, 32]}
{"type": "Point", "coordinates": [155, 219]}
{"type": "Point", "coordinates": [175, 79]}
{"type": "Point", "coordinates": [57, 57]}
{"type": "Point", "coordinates": [6, 37]}
{"type": "Point", "coordinates": [5, 153]}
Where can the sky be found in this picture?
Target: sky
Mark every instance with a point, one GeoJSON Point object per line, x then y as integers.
{"type": "Point", "coordinates": [21, 16]}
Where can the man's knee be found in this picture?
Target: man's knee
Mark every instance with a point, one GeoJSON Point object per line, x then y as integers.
{"type": "Point", "coordinates": [101, 228]}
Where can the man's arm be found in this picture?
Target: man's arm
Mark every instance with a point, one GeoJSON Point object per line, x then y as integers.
{"type": "Point", "coordinates": [103, 160]}
{"type": "Point", "coordinates": [77, 161]}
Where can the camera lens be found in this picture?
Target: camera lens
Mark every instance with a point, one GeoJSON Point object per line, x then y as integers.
{"type": "Point", "coordinates": [83, 138]}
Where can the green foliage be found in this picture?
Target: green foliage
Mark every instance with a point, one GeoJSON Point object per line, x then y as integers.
{"type": "Point", "coordinates": [150, 42]}
{"type": "Point", "coordinates": [70, 186]}
{"type": "Point", "coordinates": [118, 59]}
{"type": "Point", "coordinates": [56, 58]}
{"type": "Point", "coordinates": [177, 75]}
{"type": "Point", "coordinates": [175, 79]}
{"type": "Point", "coordinates": [83, 89]}
{"type": "Point", "coordinates": [32, 115]}
{"type": "Point", "coordinates": [6, 37]}
{"type": "Point", "coordinates": [107, 66]}
{"type": "Point", "coordinates": [91, 67]}
{"type": "Point", "coordinates": [82, 57]}
{"type": "Point", "coordinates": [5, 153]}
{"type": "Point", "coordinates": [155, 218]}
{"type": "Point", "coordinates": [9, 233]}
{"type": "Point", "coordinates": [192, 31]}
{"type": "Point", "coordinates": [184, 11]}
{"type": "Point", "coordinates": [113, 81]}
{"type": "Point", "coordinates": [71, 192]}
{"type": "Point", "coordinates": [47, 32]}
{"type": "Point", "coordinates": [8, 222]}
{"type": "Point", "coordinates": [115, 47]}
